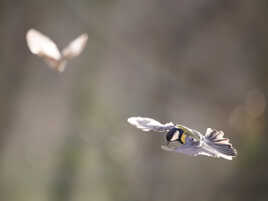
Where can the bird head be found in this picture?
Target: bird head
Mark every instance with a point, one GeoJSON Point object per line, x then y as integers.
{"type": "Point", "coordinates": [176, 134]}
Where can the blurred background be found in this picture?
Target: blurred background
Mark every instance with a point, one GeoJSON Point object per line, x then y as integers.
{"type": "Point", "coordinates": [64, 137]}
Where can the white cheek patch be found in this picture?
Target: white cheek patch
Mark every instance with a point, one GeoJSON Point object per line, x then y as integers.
{"type": "Point", "coordinates": [175, 136]}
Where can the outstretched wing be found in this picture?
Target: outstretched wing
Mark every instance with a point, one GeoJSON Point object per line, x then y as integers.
{"type": "Point", "coordinates": [192, 147]}
{"type": "Point", "coordinates": [216, 140]}
{"type": "Point", "coordinates": [148, 124]}
{"type": "Point", "coordinates": [41, 45]}
{"type": "Point", "coordinates": [194, 151]}
{"type": "Point", "coordinates": [75, 47]}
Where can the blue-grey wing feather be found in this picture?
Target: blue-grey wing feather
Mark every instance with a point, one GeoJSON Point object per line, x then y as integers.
{"type": "Point", "coordinates": [148, 124]}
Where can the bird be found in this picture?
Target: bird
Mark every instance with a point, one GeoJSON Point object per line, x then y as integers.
{"type": "Point", "coordinates": [44, 47]}
{"type": "Point", "coordinates": [182, 139]}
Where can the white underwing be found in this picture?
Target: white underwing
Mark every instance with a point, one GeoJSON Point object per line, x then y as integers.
{"type": "Point", "coordinates": [44, 47]}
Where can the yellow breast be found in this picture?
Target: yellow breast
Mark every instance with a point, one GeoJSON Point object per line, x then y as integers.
{"type": "Point", "coordinates": [183, 138]}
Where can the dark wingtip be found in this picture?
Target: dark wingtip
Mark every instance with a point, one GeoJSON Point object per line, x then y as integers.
{"type": "Point", "coordinates": [220, 143]}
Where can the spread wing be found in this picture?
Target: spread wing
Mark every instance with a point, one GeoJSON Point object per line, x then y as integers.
{"type": "Point", "coordinates": [148, 124]}
{"type": "Point", "coordinates": [189, 149]}
{"type": "Point", "coordinates": [75, 47]}
{"type": "Point", "coordinates": [41, 45]}
{"type": "Point", "coordinates": [215, 139]}
{"type": "Point", "coordinates": [192, 147]}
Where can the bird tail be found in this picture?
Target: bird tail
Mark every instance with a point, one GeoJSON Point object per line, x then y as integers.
{"type": "Point", "coordinates": [222, 145]}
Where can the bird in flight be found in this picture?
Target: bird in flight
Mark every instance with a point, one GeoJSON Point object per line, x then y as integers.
{"type": "Point", "coordinates": [44, 47]}
{"type": "Point", "coordinates": [188, 141]}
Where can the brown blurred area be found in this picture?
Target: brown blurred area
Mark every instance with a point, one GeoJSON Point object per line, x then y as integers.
{"type": "Point", "coordinates": [200, 63]}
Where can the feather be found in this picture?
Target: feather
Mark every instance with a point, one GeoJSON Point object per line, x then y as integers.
{"type": "Point", "coordinates": [216, 140]}
{"type": "Point", "coordinates": [148, 124]}
{"type": "Point", "coordinates": [41, 45]}
{"type": "Point", "coordinates": [75, 47]}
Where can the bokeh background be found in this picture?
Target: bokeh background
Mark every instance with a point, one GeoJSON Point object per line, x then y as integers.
{"type": "Point", "coordinates": [64, 137]}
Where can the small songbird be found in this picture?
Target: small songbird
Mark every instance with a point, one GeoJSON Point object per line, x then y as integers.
{"type": "Point", "coordinates": [188, 141]}
{"type": "Point", "coordinates": [44, 47]}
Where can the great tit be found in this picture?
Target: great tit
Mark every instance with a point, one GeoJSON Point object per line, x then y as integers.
{"type": "Point", "coordinates": [188, 141]}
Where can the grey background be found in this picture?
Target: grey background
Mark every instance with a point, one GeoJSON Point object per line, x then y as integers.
{"type": "Point", "coordinates": [199, 63]}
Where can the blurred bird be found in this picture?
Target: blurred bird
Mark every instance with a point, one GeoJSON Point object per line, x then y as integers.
{"type": "Point", "coordinates": [44, 47]}
{"type": "Point", "coordinates": [188, 141]}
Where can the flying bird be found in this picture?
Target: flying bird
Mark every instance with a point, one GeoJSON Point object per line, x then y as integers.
{"type": "Point", "coordinates": [188, 141]}
{"type": "Point", "coordinates": [44, 47]}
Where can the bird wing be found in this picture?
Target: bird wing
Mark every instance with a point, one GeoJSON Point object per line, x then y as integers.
{"type": "Point", "coordinates": [75, 47]}
{"type": "Point", "coordinates": [215, 140]}
{"type": "Point", "coordinates": [41, 45]}
{"type": "Point", "coordinates": [148, 124]}
{"type": "Point", "coordinates": [191, 151]}
{"type": "Point", "coordinates": [192, 147]}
